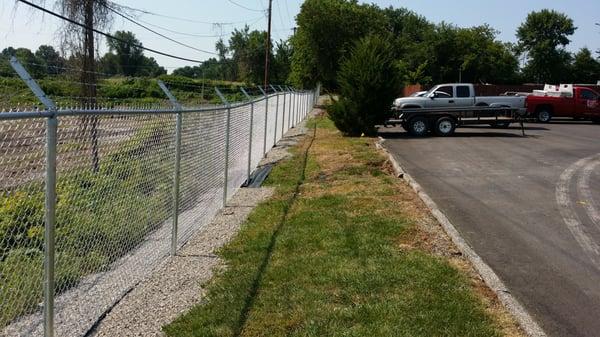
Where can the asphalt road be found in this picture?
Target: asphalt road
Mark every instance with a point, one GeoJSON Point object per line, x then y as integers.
{"type": "Point", "coordinates": [529, 206]}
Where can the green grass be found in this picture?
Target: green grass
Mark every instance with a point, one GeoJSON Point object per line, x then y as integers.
{"type": "Point", "coordinates": [321, 258]}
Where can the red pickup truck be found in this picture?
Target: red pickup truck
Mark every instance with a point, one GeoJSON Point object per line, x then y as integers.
{"type": "Point", "coordinates": [584, 103]}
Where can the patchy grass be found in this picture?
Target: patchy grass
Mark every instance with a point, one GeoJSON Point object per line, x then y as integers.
{"type": "Point", "coordinates": [339, 251]}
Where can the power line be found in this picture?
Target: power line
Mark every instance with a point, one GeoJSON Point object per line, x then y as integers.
{"type": "Point", "coordinates": [191, 34]}
{"type": "Point", "coordinates": [287, 9]}
{"type": "Point", "coordinates": [279, 11]}
{"type": "Point", "coordinates": [246, 8]}
{"type": "Point", "coordinates": [126, 17]}
{"type": "Point", "coordinates": [143, 11]}
{"type": "Point", "coordinates": [106, 34]}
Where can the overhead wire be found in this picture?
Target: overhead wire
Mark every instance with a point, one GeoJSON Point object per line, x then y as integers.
{"type": "Point", "coordinates": [246, 8]}
{"type": "Point", "coordinates": [106, 34]}
{"type": "Point", "coordinates": [191, 34]}
{"type": "Point", "coordinates": [143, 11]}
{"type": "Point", "coordinates": [126, 17]}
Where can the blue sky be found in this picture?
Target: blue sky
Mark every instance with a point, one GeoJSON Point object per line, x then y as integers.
{"type": "Point", "coordinates": [26, 28]}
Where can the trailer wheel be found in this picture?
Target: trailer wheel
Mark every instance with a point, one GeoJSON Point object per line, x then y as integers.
{"type": "Point", "coordinates": [445, 126]}
{"type": "Point", "coordinates": [543, 115]}
{"type": "Point", "coordinates": [418, 126]}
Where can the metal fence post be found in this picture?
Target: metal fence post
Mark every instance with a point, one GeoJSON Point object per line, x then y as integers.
{"type": "Point", "coordinates": [298, 107]}
{"type": "Point", "coordinates": [50, 195]}
{"type": "Point", "coordinates": [249, 140]}
{"type": "Point", "coordinates": [177, 169]}
{"type": "Point", "coordinates": [307, 103]}
{"type": "Point", "coordinates": [227, 127]}
{"type": "Point", "coordinates": [317, 93]}
{"type": "Point", "coordinates": [290, 108]}
{"type": "Point", "coordinates": [283, 112]}
{"type": "Point", "coordinates": [266, 117]}
{"type": "Point", "coordinates": [303, 100]}
{"type": "Point", "coordinates": [276, 113]}
{"type": "Point", "coordinates": [293, 112]}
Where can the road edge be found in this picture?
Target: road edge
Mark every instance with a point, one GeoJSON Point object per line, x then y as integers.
{"type": "Point", "coordinates": [491, 279]}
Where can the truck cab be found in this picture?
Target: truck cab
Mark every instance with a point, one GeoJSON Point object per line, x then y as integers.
{"type": "Point", "coordinates": [456, 95]}
{"type": "Point", "coordinates": [564, 101]}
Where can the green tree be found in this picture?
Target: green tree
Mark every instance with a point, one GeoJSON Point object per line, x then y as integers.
{"type": "Point", "coordinates": [281, 62]}
{"type": "Point", "coordinates": [150, 68]}
{"type": "Point", "coordinates": [586, 68]}
{"type": "Point", "coordinates": [542, 37]}
{"type": "Point", "coordinates": [368, 79]}
{"type": "Point", "coordinates": [5, 69]}
{"type": "Point", "coordinates": [109, 64]}
{"type": "Point", "coordinates": [326, 31]}
{"type": "Point", "coordinates": [51, 59]}
{"type": "Point", "coordinates": [128, 52]}
{"type": "Point", "coordinates": [26, 57]}
{"type": "Point", "coordinates": [248, 53]}
{"type": "Point", "coordinates": [468, 54]}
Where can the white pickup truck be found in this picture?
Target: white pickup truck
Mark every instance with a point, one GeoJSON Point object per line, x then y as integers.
{"type": "Point", "coordinates": [457, 95]}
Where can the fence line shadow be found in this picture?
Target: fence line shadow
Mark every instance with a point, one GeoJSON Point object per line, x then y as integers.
{"type": "Point", "coordinates": [256, 283]}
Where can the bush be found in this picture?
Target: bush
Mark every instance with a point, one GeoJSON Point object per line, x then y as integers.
{"type": "Point", "coordinates": [369, 79]}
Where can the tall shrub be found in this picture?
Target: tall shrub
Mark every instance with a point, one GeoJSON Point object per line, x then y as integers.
{"type": "Point", "coordinates": [369, 80]}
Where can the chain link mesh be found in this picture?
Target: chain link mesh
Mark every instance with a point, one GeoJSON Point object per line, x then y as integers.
{"type": "Point", "coordinates": [22, 160]}
{"type": "Point", "coordinates": [238, 148]}
{"type": "Point", "coordinates": [114, 207]}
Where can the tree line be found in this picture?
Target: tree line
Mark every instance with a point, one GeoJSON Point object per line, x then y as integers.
{"type": "Point", "coordinates": [428, 53]}
{"type": "Point", "coordinates": [124, 58]}
{"type": "Point", "coordinates": [241, 59]}
{"type": "Point", "coordinates": [423, 52]}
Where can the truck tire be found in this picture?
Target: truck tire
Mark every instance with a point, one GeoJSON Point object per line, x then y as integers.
{"type": "Point", "coordinates": [418, 126]}
{"type": "Point", "coordinates": [543, 115]}
{"type": "Point", "coordinates": [445, 126]}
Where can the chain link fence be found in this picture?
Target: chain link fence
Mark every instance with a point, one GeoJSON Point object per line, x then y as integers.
{"type": "Point", "coordinates": [95, 197]}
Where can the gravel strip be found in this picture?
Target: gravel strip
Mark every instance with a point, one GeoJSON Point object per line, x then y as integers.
{"type": "Point", "coordinates": [176, 287]}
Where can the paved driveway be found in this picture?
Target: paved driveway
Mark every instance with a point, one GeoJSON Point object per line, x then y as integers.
{"type": "Point", "coordinates": [530, 207]}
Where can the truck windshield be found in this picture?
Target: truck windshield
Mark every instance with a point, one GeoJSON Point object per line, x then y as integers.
{"type": "Point", "coordinates": [445, 91]}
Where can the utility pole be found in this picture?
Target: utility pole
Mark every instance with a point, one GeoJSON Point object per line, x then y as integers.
{"type": "Point", "coordinates": [268, 47]}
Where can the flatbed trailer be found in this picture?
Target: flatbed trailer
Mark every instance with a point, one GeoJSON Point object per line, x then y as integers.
{"type": "Point", "coordinates": [443, 121]}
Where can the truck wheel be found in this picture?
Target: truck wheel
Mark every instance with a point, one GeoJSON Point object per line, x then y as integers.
{"type": "Point", "coordinates": [544, 115]}
{"type": "Point", "coordinates": [445, 126]}
{"type": "Point", "coordinates": [418, 126]}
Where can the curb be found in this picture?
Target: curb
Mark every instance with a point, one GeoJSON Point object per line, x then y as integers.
{"type": "Point", "coordinates": [491, 279]}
